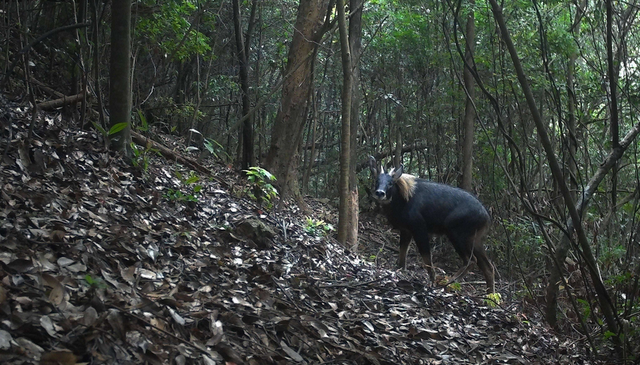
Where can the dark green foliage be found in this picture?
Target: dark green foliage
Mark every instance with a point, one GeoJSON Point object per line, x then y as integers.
{"type": "Point", "coordinates": [169, 28]}
{"type": "Point", "coordinates": [189, 191]}
{"type": "Point", "coordinates": [260, 186]}
{"type": "Point", "coordinates": [317, 227]}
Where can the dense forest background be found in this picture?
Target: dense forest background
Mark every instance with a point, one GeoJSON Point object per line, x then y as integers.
{"type": "Point", "coordinates": [531, 105]}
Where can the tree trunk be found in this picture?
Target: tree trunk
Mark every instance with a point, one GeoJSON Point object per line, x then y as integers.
{"type": "Point", "coordinates": [345, 138]}
{"type": "Point", "coordinates": [561, 251]}
{"type": "Point", "coordinates": [95, 37]}
{"type": "Point", "coordinates": [120, 79]}
{"type": "Point", "coordinates": [355, 42]}
{"type": "Point", "coordinates": [397, 155]}
{"type": "Point", "coordinates": [290, 120]}
{"type": "Point", "coordinates": [242, 51]}
{"type": "Point", "coordinates": [606, 304]}
{"type": "Point", "coordinates": [312, 152]}
{"type": "Point", "coordinates": [612, 73]}
{"type": "Point", "coordinates": [551, 295]}
{"type": "Point", "coordinates": [469, 112]}
{"type": "Point", "coordinates": [259, 121]}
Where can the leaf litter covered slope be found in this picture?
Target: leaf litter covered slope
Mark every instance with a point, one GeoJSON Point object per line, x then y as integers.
{"type": "Point", "coordinates": [98, 267]}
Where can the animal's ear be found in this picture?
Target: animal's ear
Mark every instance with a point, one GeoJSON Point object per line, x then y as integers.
{"type": "Point", "coordinates": [398, 172]}
{"type": "Point", "coordinates": [373, 166]}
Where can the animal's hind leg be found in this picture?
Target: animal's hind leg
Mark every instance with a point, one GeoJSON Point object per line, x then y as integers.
{"type": "Point", "coordinates": [463, 244]}
{"type": "Point", "coordinates": [485, 265]}
{"type": "Point", "coordinates": [470, 249]}
{"type": "Point", "coordinates": [467, 262]}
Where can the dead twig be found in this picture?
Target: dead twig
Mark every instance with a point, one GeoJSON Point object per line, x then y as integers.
{"type": "Point", "coordinates": [53, 104]}
{"type": "Point", "coordinates": [351, 284]}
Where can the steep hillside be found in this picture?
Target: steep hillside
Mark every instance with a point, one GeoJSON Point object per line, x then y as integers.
{"type": "Point", "coordinates": [102, 262]}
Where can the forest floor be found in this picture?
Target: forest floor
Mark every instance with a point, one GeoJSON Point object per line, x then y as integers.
{"type": "Point", "coordinates": [105, 263]}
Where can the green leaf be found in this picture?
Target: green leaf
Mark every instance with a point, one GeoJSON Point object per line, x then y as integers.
{"type": "Point", "coordinates": [89, 279]}
{"type": "Point", "coordinates": [143, 121]}
{"type": "Point", "coordinates": [493, 299]}
{"type": "Point", "coordinates": [192, 179]}
{"type": "Point", "coordinates": [609, 334]}
{"type": "Point", "coordinates": [99, 128]}
{"type": "Point", "coordinates": [117, 128]}
{"type": "Point", "coordinates": [209, 146]}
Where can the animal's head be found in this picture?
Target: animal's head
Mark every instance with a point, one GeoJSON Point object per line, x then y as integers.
{"type": "Point", "coordinates": [385, 183]}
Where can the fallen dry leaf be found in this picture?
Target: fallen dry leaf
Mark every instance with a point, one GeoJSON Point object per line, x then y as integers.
{"type": "Point", "coordinates": [58, 358]}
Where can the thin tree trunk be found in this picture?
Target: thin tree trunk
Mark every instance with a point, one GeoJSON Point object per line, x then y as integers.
{"type": "Point", "coordinates": [259, 116]}
{"type": "Point", "coordinates": [95, 36]}
{"type": "Point", "coordinates": [606, 304]}
{"type": "Point", "coordinates": [355, 42]}
{"type": "Point", "coordinates": [551, 296]}
{"type": "Point", "coordinates": [612, 76]}
{"type": "Point", "coordinates": [397, 155]}
{"type": "Point", "coordinates": [120, 78]}
{"type": "Point", "coordinates": [345, 138]}
{"type": "Point", "coordinates": [583, 202]}
{"type": "Point", "coordinates": [312, 153]}
{"type": "Point", "coordinates": [242, 50]}
{"type": "Point", "coordinates": [469, 112]}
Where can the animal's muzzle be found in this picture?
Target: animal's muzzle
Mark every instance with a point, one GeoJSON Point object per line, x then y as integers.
{"type": "Point", "coordinates": [380, 194]}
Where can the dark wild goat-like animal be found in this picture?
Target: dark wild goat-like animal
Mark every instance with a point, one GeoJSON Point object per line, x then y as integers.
{"type": "Point", "coordinates": [420, 208]}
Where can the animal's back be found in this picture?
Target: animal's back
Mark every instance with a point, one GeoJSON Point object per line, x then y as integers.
{"type": "Point", "coordinates": [439, 207]}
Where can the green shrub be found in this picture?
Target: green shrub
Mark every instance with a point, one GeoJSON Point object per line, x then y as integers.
{"type": "Point", "coordinates": [261, 189]}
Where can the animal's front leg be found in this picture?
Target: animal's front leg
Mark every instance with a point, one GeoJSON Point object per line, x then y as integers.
{"type": "Point", "coordinates": [405, 240]}
{"type": "Point", "coordinates": [424, 248]}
